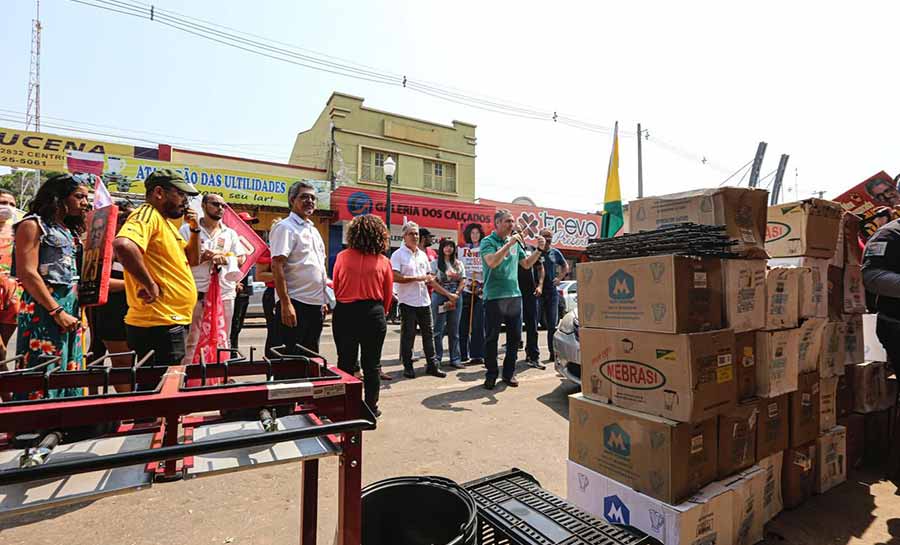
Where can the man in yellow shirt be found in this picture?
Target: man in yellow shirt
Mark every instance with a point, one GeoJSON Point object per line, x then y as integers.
{"type": "Point", "coordinates": [159, 285]}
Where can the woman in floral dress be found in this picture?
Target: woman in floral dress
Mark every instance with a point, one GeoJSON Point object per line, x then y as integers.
{"type": "Point", "coordinates": [46, 260]}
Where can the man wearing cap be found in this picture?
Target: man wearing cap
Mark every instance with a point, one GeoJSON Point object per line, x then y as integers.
{"type": "Point", "coordinates": [426, 241]}
{"type": "Point", "coordinates": [298, 265]}
{"type": "Point", "coordinates": [244, 291]}
{"type": "Point", "coordinates": [159, 286]}
{"type": "Point", "coordinates": [217, 243]}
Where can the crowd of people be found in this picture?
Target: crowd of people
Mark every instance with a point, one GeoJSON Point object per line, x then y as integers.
{"type": "Point", "coordinates": [162, 274]}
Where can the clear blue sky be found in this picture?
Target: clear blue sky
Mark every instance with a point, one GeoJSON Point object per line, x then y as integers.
{"type": "Point", "coordinates": [712, 79]}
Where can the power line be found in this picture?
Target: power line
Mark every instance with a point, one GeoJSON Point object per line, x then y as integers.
{"type": "Point", "coordinates": [306, 58]}
{"type": "Point", "coordinates": [735, 173]}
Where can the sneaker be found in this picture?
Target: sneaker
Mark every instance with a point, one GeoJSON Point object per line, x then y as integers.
{"type": "Point", "coordinates": [489, 383]}
{"type": "Point", "coordinates": [435, 372]}
{"type": "Point", "coordinates": [511, 382]}
{"type": "Point", "coordinates": [409, 373]}
{"type": "Point", "coordinates": [458, 365]}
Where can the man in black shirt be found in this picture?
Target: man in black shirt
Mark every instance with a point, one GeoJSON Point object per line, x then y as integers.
{"type": "Point", "coordinates": [881, 277]}
{"type": "Point", "coordinates": [531, 283]}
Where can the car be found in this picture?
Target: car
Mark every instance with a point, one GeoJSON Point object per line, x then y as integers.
{"type": "Point", "coordinates": [567, 346]}
{"type": "Point", "coordinates": [255, 308]}
{"type": "Point", "coordinates": [568, 296]}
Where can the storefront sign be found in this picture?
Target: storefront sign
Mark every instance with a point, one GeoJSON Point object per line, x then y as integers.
{"type": "Point", "coordinates": [349, 202]}
{"type": "Point", "coordinates": [866, 197]}
{"type": "Point", "coordinates": [25, 149]}
{"type": "Point", "coordinates": [571, 230]}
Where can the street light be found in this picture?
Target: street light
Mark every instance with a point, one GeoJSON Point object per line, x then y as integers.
{"type": "Point", "coordinates": [389, 168]}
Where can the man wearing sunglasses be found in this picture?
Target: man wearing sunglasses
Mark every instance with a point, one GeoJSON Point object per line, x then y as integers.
{"type": "Point", "coordinates": [217, 242]}
{"type": "Point", "coordinates": [159, 286]}
{"type": "Point", "coordinates": [299, 268]}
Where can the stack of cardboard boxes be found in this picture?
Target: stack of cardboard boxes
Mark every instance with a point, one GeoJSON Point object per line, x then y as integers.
{"type": "Point", "coordinates": [665, 434]}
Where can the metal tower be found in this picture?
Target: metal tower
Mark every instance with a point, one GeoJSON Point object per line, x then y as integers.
{"type": "Point", "coordinates": [33, 109]}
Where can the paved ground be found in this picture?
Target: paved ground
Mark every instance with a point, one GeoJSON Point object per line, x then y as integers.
{"type": "Point", "coordinates": [449, 427]}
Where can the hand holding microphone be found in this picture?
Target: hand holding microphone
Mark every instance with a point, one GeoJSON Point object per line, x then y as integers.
{"type": "Point", "coordinates": [517, 236]}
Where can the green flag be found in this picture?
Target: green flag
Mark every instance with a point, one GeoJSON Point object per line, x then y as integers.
{"type": "Point", "coordinates": [613, 218]}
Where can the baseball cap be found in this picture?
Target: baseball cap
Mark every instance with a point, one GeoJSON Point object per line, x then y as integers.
{"type": "Point", "coordinates": [167, 176]}
{"type": "Point", "coordinates": [248, 218]}
{"type": "Point", "coordinates": [423, 232]}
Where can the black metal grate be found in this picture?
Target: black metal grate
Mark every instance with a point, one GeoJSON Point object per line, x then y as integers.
{"type": "Point", "coordinates": [513, 509]}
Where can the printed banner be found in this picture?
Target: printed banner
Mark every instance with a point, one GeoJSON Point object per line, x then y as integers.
{"type": "Point", "coordinates": [571, 230]}
{"type": "Point", "coordinates": [875, 197]}
{"type": "Point", "coordinates": [253, 245]}
{"type": "Point", "coordinates": [25, 149]}
{"type": "Point", "coordinates": [93, 287]}
{"type": "Point", "coordinates": [429, 212]}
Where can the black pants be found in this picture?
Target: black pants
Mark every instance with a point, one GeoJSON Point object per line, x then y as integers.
{"type": "Point", "coordinates": [409, 317]}
{"type": "Point", "coordinates": [268, 304]}
{"type": "Point", "coordinates": [166, 341]}
{"type": "Point", "coordinates": [496, 313]}
{"type": "Point", "coordinates": [237, 320]}
{"type": "Point", "coordinates": [307, 331]}
{"type": "Point", "coordinates": [360, 326]}
{"type": "Point", "coordinates": [530, 315]}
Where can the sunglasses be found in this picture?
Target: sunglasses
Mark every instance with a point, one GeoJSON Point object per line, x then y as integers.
{"type": "Point", "coordinates": [307, 197]}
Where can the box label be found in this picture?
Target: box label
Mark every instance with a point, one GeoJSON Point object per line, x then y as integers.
{"type": "Point", "coordinates": [617, 441]}
{"type": "Point", "coordinates": [621, 286]}
{"type": "Point", "coordinates": [632, 374]}
{"type": "Point", "coordinates": [615, 510]}
{"type": "Point", "coordinates": [700, 280]}
{"type": "Point", "coordinates": [697, 443]}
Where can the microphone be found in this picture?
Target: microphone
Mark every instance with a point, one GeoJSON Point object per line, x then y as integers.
{"type": "Point", "coordinates": [519, 242]}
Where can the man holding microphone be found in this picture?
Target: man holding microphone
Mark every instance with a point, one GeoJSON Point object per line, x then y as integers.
{"type": "Point", "coordinates": [502, 252]}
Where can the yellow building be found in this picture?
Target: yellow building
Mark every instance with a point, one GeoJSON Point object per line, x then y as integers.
{"type": "Point", "coordinates": [351, 142]}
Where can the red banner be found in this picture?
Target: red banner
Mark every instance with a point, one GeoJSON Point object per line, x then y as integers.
{"type": "Point", "coordinates": [349, 202]}
{"type": "Point", "coordinates": [253, 245]}
{"type": "Point", "coordinates": [571, 230]}
{"type": "Point", "coordinates": [876, 196]}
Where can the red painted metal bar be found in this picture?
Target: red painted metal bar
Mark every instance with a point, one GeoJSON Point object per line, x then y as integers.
{"type": "Point", "coordinates": [309, 502]}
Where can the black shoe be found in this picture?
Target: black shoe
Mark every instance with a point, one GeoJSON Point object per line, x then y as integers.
{"type": "Point", "coordinates": [377, 413]}
{"type": "Point", "coordinates": [476, 361]}
{"type": "Point", "coordinates": [458, 365]}
{"type": "Point", "coordinates": [535, 363]}
{"type": "Point", "coordinates": [435, 372]}
{"type": "Point", "coordinates": [489, 383]}
{"type": "Point", "coordinates": [511, 382]}
{"type": "Point", "coordinates": [409, 373]}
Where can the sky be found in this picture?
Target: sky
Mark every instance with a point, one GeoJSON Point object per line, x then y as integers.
{"type": "Point", "coordinates": [705, 79]}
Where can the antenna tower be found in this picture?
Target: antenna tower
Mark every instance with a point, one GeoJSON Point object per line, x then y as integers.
{"type": "Point", "coordinates": [33, 109]}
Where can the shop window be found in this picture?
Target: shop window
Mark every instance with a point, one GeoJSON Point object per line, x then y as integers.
{"type": "Point", "coordinates": [440, 176]}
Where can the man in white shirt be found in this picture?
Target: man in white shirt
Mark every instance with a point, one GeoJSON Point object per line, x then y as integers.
{"type": "Point", "coordinates": [412, 275]}
{"type": "Point", "coordinates": [216, 241]}
{"type": "Point", "coordinates": [299, 268]}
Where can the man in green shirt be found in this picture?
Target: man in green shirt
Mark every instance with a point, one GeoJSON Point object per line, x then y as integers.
{"type": "Point", "coordinates": [502, 252]}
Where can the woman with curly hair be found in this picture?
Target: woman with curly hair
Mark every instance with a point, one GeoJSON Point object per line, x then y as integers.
{"type": "Point", "coordinates": [46, 260]}
{"type": "Point", "coordinates": [363, 287]}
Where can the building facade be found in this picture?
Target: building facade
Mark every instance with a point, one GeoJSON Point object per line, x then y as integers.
{"type": "Point", "coordinates": [352, 141]}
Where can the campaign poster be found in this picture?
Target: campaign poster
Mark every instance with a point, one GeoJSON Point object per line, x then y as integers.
{"type": "Point", "coordinates": [470, 257]}
{"type": "Point", "coordinates": [875, 200]}
{"type": "Point", "coordinates": [93, 287]}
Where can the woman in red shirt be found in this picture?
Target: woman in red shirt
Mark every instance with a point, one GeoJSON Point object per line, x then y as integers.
{"type": "Point", "coordinates": [363, 287]}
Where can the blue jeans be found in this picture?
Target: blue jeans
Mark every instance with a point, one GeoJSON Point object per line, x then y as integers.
{"type": "Point", "coordinates": [472, 346]}
{"type": "Point", "coordinates": [549, 308]}
{"type": "Point", "coordinates": [497, 312]}
{"type": "Point", "coordinates": [445, 322]}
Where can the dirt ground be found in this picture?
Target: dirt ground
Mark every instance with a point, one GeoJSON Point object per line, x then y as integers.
{"type": "Point", "coordinates": [449, 427]}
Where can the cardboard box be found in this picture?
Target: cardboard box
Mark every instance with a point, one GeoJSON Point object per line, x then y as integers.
{"type": "Point", "coordinates": [827, 403]}
{"type": "Point", "coordinates": [844, 395]}
{"type": "Point", "coordinates": [809, 344]}
{"type": "Point", "coordinates": [805, 410]}
{"type": "Point", "coordinates": [706, 518]}
{"type": "Point", "coordinates": [745, 364]}
{"type": "Point", "coordinates": [773, 434]}
{"type": "Point", "coordinates": [831, 449]}
{"type": "Point", "coordinates": [813, 285]}
{"type": "Point", "coordinates": [854, 344]}
{"type": "Point", "coordinates": [745, 294]}
{"type": "Point", "coordinates": [869, 386]}
{"type": "Point", "coordinates": [798, 475]}
{"type": "Point", "coordinates": [777, 362]}
{"type": "Point", "coordinates": [853, 254]}
{"type": "Point", "coordinates": [772, 500]}
{"type": "Point", "coordinates": [666, 294]}
{"type": "Point", "coordinates": [835, 293]}
{"type": "Point", "coordinates": [854, 292]}
{"type": "Point", "coordinates": [856, 438]}
{"type": "Point", "coordinates": [683, 377]}
{"type": "Point", "coordinates": [737, 438]}
{"type": "Point", "coordinates": [873, 350]}
{"type": "Point", "coordinates": [782, 298]}
{"type": "Point", "coordinates": [661, 458]}
{"type": "Point", "coordinates": [831, 356]}
{"type": "Point", "coordinates": [748, 508]}
{"type": "Point", "coordinates": [741, 210]}
{"type": "Point", "coordinates": [837, 260]}
{"type": "Point", "coordinates": [805, 228]}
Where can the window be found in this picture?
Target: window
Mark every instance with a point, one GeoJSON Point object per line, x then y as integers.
{"type": "Point", "coordinates": [372, 167]}
{"type": "Point", "coordinates": [440, 176]}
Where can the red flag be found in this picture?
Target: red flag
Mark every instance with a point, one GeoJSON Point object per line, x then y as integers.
{"type": "Point", "coordinates": [253, 245]}
{"type": "Point", "coordinates": [213, 333]}
{"type": "Point", "coordinates": [84, 162]}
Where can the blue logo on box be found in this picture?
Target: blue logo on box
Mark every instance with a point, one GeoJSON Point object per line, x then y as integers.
{"type": "Point", "coordinates": [621, 286]}
{"type": "Point", "coordinates": [616, 440]}
{"type": "Point", "coordinates": [615, 510]}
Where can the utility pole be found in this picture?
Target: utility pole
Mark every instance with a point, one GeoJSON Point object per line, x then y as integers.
{"type": "Point", "coordinates": [640, 164]}
{"type": "Point", "coordinates": [33, 104]}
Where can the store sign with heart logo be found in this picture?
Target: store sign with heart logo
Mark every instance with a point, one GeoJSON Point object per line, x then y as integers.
{"type": "Point", "coordinates": [569, 232]}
